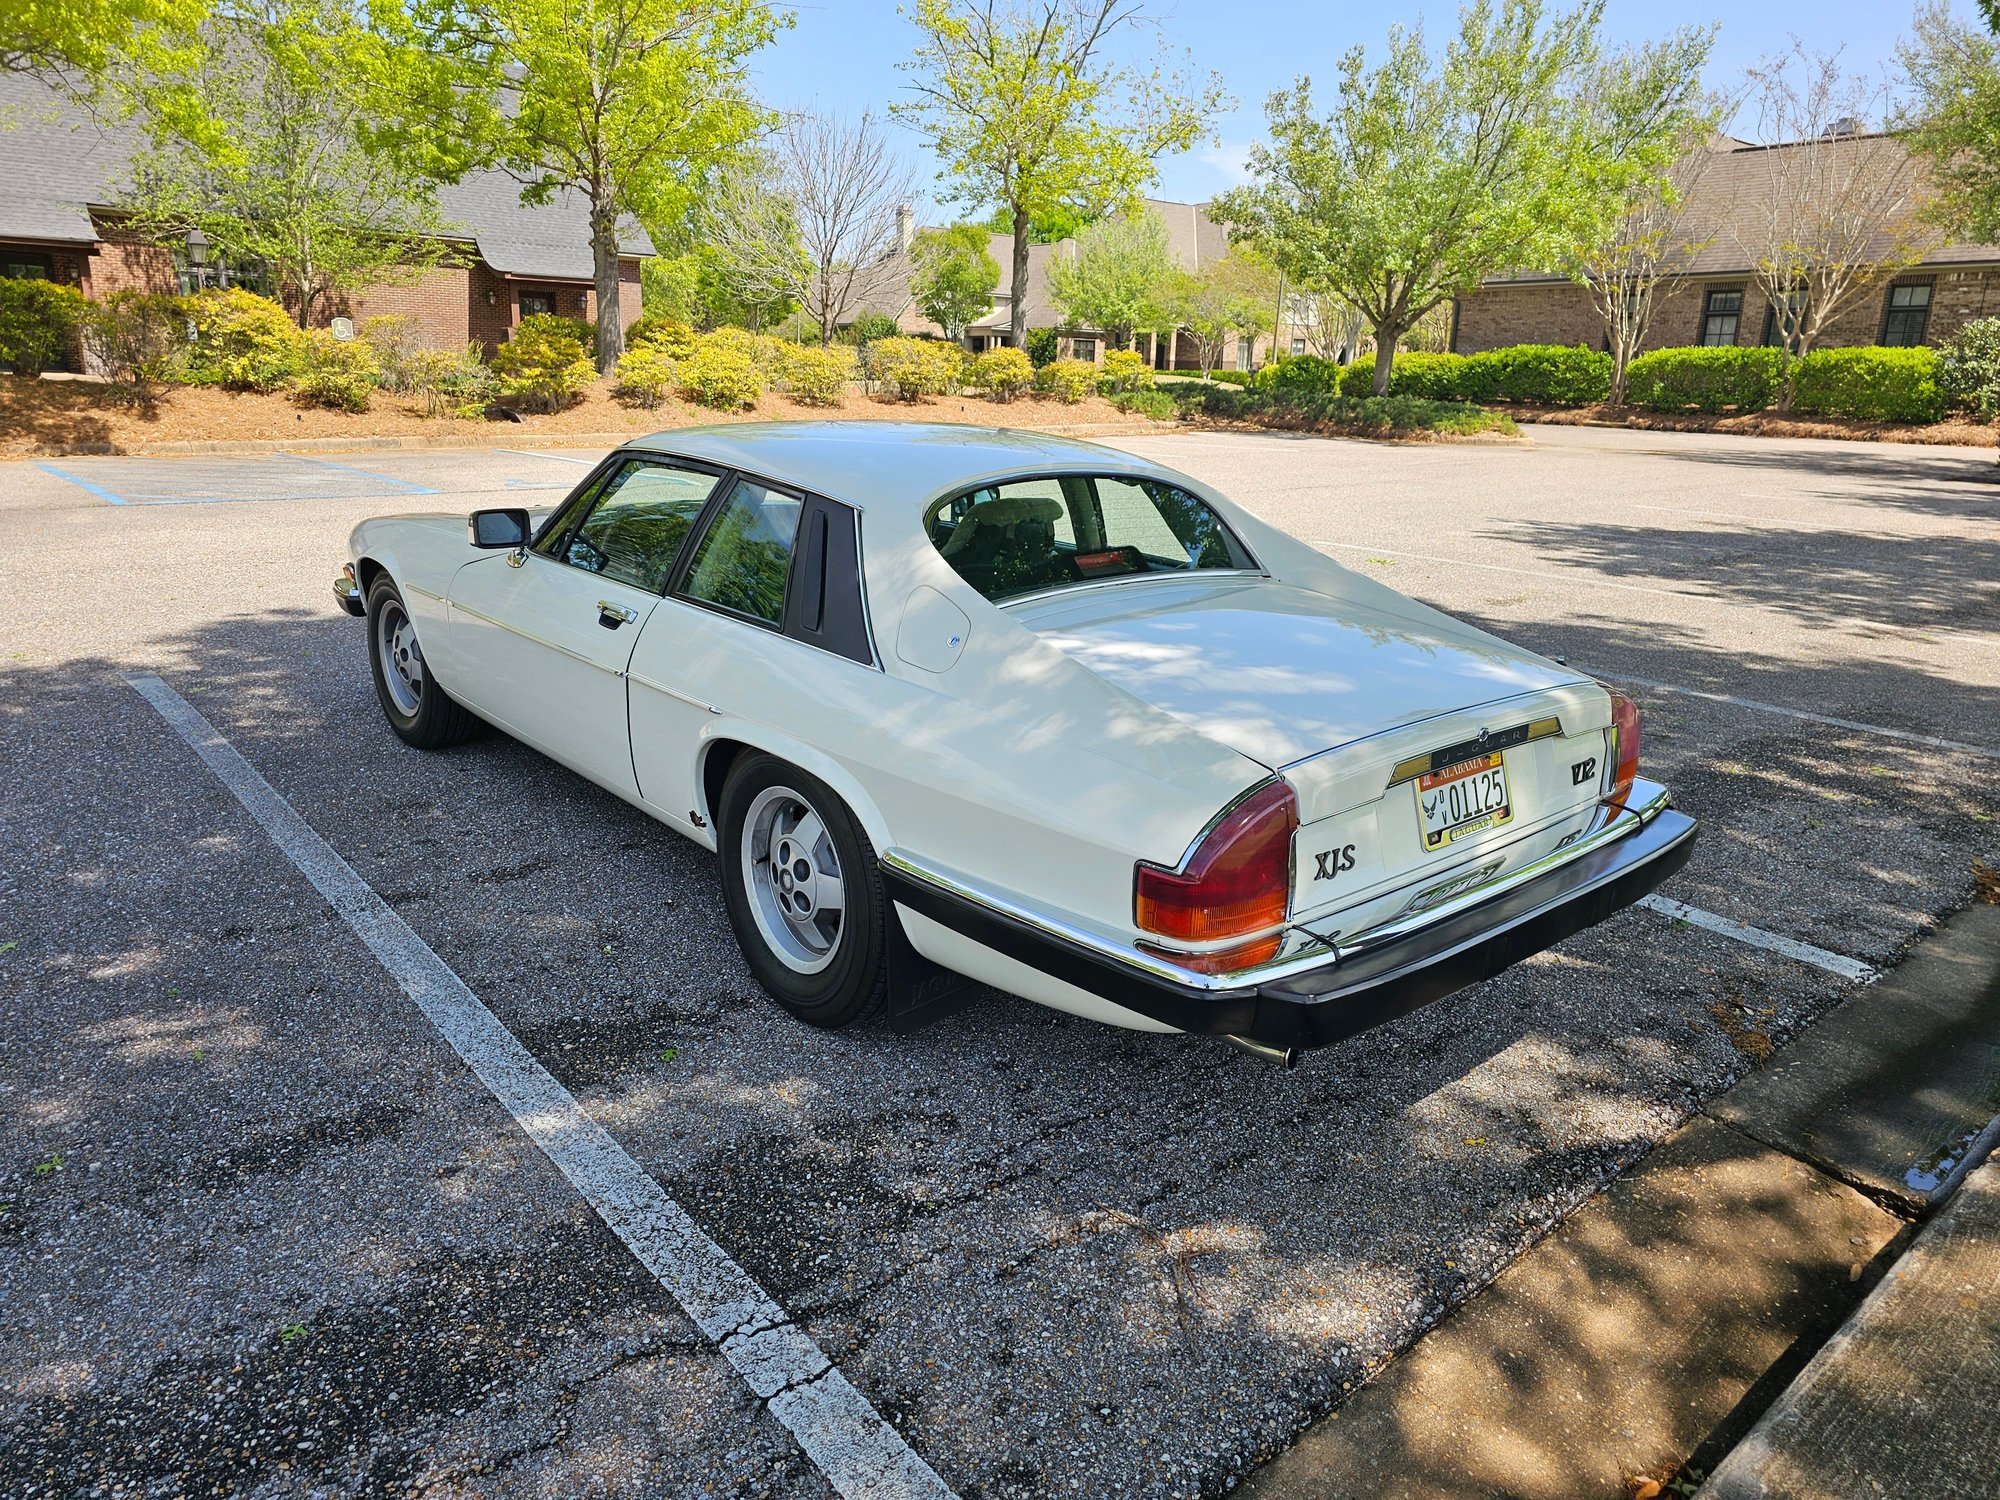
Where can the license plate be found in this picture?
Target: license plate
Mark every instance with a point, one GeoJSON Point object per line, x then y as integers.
{"type": "Point", "coordinates": [1462, 799]}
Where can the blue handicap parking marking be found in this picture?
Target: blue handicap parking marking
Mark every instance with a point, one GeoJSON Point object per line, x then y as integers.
{"type": "Point", "coordinates": [198, 481]}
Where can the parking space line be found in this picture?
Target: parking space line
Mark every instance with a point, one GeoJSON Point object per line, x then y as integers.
{"type": "Point", "coordinates": [1986, 752]}
{"type": "Point", "coordinates": [552, 457]}
{"type": "Point", "coordinates": [408, 485]}
{"type": "Point", "coordinates": [860, 1454]}
{"type": "Point", "coordinates": [1757, 937]}
{"type": "Point", "coordinates": [83, 484]}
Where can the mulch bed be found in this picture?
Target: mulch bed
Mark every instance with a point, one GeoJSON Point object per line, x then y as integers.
{"type": "Point", "coordinates": [1954, 432]}
{"type": "Point", "coordinates": [49, 417]}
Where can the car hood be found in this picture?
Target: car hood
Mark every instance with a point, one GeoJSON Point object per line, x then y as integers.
{"type": "Point", "coordinates": [1277, 672]}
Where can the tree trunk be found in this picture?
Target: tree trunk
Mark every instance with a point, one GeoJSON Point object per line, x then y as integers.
{"type": "Point", "coordinates": [1018, 328]}
{"type": "Point", "coordinates": [1618, 363]}
{"type": "Point", "coordinates": [1385, 356]}
{"type": "Point", "coordinates": [604, 272]}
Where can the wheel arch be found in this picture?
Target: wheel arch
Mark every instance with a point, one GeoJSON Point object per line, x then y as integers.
{"type": "Point", "coordinates": [729, 743]}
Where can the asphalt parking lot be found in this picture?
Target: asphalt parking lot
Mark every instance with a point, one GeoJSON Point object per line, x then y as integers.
{"type": "Point", "coordinates": [264, 1232]}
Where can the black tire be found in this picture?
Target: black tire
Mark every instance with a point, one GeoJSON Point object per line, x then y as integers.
{"type": "Point", "coordinates": [421, 712]}
{"type": "Point", "coordinates": [852, 983]}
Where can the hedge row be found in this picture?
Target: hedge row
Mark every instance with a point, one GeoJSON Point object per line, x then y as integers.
{"type": "Point", "coordinates": [1317, 404]}
{"type": "Point", "coordinates": [1548, 374]}
{"type": "Point", "coordinates": [1866, 385]}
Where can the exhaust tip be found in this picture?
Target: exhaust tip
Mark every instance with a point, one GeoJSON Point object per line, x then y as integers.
{"type": "Point", "coordinates": [1284, 1057]}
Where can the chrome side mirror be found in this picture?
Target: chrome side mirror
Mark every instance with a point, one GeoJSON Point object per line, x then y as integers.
{"type": "Point", "coordinates": [497, 528]}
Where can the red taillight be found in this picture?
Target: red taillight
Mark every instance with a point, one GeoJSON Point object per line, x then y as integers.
{"type": "Point", "coordinates": [1235, 881]}
{"type": "Point", "coordinates": [1624, 746]}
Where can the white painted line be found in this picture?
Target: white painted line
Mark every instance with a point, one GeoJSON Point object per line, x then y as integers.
{"type": "Point", "coordinates": [1567, 580]}
{"type": "Point", "coordinates": [862, 1457]}
{"type": "Point", "coordinates": [560, 458]}
{"type": "Point", "coordinates": [1757, 937]}
{"type": "Point", "coordinates": [1986, 752]}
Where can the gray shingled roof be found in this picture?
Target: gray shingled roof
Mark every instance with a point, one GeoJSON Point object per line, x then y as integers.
{"type": "Point", "coordinates": [58, 162]}
{"type": "Point", "coordinates": [1725, 208]}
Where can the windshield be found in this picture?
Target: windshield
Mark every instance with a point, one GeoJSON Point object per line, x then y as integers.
{"type": "Point", "coordinates": [1027, 535]}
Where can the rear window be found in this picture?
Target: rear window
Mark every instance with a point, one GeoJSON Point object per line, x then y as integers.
{"type": "Point", "coordinates": [1028, 535]}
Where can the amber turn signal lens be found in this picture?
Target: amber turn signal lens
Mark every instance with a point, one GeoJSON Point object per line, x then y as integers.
{"type": "Point", "coordinates": [1624, 747]}
{"type": "Point", "coordinates": [1225, 960]}
{"type": "Point", "coordinates": [1236, 880]}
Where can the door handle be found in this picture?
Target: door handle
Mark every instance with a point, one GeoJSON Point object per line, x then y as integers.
{"type": "Point", "coordinates": [611, 616]}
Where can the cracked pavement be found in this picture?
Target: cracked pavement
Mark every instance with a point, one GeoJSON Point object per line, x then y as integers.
{"type": "Point", "coordinates": [264, 1234]}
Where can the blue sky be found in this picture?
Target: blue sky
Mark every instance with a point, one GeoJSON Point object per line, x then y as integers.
{"type": "Point", "coordinates": [842, 54]}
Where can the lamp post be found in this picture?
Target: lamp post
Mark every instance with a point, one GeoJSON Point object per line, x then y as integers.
{"type": "Point", "coordinates": [197, 258]}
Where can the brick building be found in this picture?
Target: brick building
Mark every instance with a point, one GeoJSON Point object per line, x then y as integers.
{"type": "Point", "coordinates": [1721, 302]}
{"type": "Point", "coordinates": [65, 173]}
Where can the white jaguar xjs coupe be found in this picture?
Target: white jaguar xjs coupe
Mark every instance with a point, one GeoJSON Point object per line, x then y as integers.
{"type": "Point", "coordinates": [958, 702]}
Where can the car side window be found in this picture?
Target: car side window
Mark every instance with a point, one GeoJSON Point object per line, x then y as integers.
{"type": "Point", "coordinates": [742, 561]}
{"type": "Point", "coordinates": [640, 518]}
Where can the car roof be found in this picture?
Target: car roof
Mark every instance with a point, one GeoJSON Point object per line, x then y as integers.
{"type": "Point", "coordinates": [894, 463]}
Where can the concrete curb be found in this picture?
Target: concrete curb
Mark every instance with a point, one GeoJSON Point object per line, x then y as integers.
{"type": "Point", "coordinates": [517, 438]}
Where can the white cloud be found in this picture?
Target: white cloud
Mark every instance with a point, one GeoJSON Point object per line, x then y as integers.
{"type": "Point", "coordinates": [1231, 159]}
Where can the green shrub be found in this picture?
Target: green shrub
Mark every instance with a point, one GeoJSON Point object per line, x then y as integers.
{"type": "Point", "coordinates": [1155, 404]}
{"type": "Point", "coordinates": [454, 381]}
{"type": "Point", "coordinates": [1309, 401]}
{"type": "Point", "coordinates": [394, 339]}
{"type": "Point", "coordinates": [721, 374]}
{"type": "Point", "coordinates": [543, 363]}
{"type": "Point", "coordinates": [241, 340]}
{"type": "Point", "coordinates": [1969, 368]}
{"type": "Point", "coordinates": [340, 373]}
{"type": "Point", "coordinates": [1869, 385]}
{"type": "Point", "coordinates": [135, 338]}
{"type": "Point", "coordinates": [1243, 377]}
{"type": "Point", "coordinates": [767, 353]}
{"type": "Point", "coordinates": [1704, 379]}
{"type": "Point", "coordinates": [819, 376]}
{"type": "Point", "coordinates": [1126, 370]}
{"type": "Point", "coordinates": [1001, 373]}
{"type": "Point", "coordinates": [1428, 377]}
{"type": "Point", "coordinates": [870, 327]}
{"type": "Point", "coordinates": [645, 374]}
{"type": "Point", "coordinates": [1300, 377]}
{"type": "Point", "coordinates": [915, 367]}
{"type": "Point", "coordinates": [1547, 374]}
{"type": "Point", "coordinates": [677, 339]}
{"type": "Point", "coordinates": [1043, 346]}
{"type": "Point", "coordinates": [38, 321]}
{"type": "Point", "coordinates": [1068, 380]}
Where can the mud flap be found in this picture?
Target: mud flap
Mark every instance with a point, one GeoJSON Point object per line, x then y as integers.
{"type": "Point", "coordinates": [920, 991]}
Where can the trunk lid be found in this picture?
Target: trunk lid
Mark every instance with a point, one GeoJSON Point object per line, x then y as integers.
{"type": "Point", "coordinates": [1342, 696]}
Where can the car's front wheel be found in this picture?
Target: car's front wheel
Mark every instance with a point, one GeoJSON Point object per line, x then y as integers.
{"type": "Point", "coordinates": [803, 892]}
{"type": "Point", "coordinates": [421, 712]}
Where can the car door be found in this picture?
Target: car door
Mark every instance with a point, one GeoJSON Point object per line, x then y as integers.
{"type": "Point", "coordinates": [542, 636]}
{"type": "Point", "coordinates": [768, 595]}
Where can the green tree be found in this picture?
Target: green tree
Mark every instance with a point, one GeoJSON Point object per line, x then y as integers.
{"type": "Point", "coordinates": [952, 276]}
{"type": "Point", "coordinates": [1234, 295]}
{"type": "Point", "coordinates": [76, 41]}
{"type": "Point", "coordinates": [1117, 280]}
{"type": "Point", "coordinates": [629, 104]}
{"type": "Point", "coordinates": [1046, 228]}
{"type": "Point", "coordinates": [1025, 111]}
{"type": "Point", "coordinates": [1432, 172]}
{"type": "Point", "coordinates": [1953, 74]}
{"type": "Point", "coordinates": [275, 135]}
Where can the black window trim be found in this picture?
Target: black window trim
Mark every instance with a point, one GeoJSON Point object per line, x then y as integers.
{"type": "Point", "coordinates": [1889, 309]}
{"type": "Point", "coordinates": [1708, 296]}
{"type": "Point", "coordinates": [586, 496]}
{"type": "Point", "coordinates": [677, 577]}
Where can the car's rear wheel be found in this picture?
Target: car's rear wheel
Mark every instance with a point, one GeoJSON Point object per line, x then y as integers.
{"type": "Point", "coordinates": [421, 712]}
{"type": "Point", "coordinates": [803, 892]}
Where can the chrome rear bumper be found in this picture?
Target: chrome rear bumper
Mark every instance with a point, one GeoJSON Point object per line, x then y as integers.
{"type": "Point", "coordinates": [1313, 999]}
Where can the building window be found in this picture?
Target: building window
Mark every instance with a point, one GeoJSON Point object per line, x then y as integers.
{"type": "Point", "coordinates": [1083, 349]}
{"type": "Point", "coordinates": [533, 303]}
{"type": "Point", "coordinates": [1244, 348]}
{"type": "Point", "coordinates": [1720, 313]}
{"type": "Point", "coordinates": [1909, 314]}
{"type": "Point", "coordinates": [1298, 346]}
{"type": "Point", "coordinates": [26, 265]}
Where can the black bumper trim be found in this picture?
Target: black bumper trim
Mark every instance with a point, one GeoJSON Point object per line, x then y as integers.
{"type": "Point", "coordinates": [1365, 987]}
